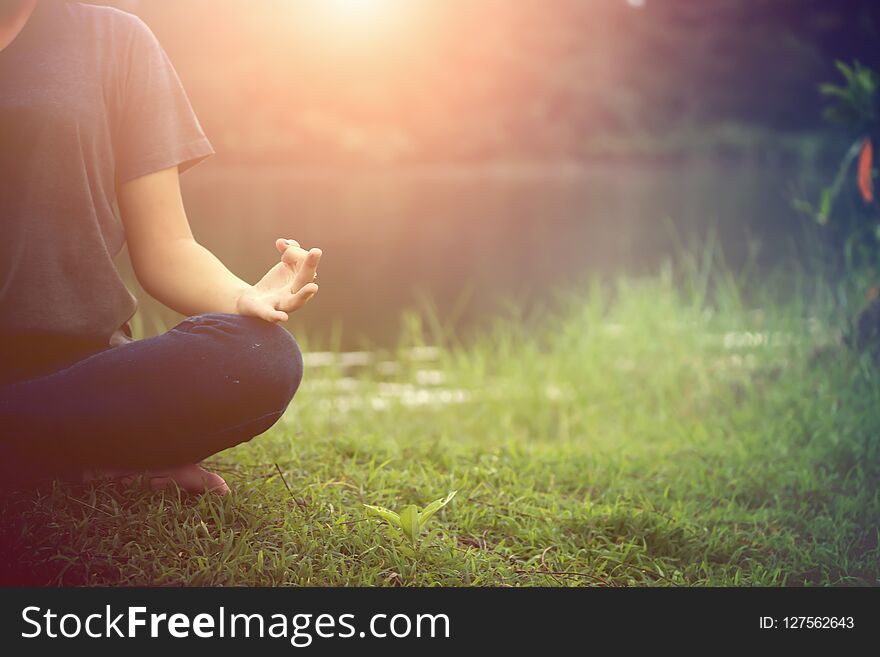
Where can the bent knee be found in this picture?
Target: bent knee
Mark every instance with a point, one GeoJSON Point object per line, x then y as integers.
{"type": "Point", "coordinates": [276, 359]}
{"type": "Point", "coordinates": [261, 359]}
{"type": "Point", "coordinates": [286, 371]}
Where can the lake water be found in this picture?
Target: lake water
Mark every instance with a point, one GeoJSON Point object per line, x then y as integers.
{"type": "Point", "coordinates": [471, 238]}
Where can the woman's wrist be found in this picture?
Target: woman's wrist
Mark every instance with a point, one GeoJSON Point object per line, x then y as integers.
{"type": "Point", "coordinates": [238, 293]}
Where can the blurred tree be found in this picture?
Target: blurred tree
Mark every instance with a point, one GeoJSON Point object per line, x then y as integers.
{"type": "Point", "coordinates": [294, 81]}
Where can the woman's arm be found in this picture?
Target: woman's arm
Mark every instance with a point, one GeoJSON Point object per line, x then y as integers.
{"type": "Point", "coordinates": [182, 274]}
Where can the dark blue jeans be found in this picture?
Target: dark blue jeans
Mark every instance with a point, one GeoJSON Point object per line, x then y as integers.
{"type": "Point", "coordinates": [211, 382]}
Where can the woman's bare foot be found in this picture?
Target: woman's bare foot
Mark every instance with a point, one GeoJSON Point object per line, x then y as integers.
{"type": "Point", "coordinates": [191, 478]}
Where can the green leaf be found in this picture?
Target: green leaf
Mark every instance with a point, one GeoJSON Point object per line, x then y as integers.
{"type": "Point", "coordinates": [384, 513]}
{"type": "Point", "coordinates": [435, 506]}
{"type": "Point", "coordinates": [409, 523]}
{"type": "Point", "coordinates": [865, 78]}
{"type": "Point", "coordinates": [803, 206]}
{"type": "Point", "coordinates": [831, 90]}
{"type": "Point", "coordinates": [825, 206]}
{"type": "Point", "coordinates": [392, 533]}
{"type": "Point", "coordinates": [830, 193]}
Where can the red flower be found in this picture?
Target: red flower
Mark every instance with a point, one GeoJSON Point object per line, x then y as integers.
{"type": "Point", "coordinates": [866, 160]}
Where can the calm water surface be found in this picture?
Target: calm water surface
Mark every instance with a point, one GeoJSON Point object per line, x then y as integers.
{"type": "Point", "coordinates": [470, 237]}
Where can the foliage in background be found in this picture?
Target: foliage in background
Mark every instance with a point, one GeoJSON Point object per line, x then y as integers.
{"type": "Point", "coordinates": [847, 207]}
{"type": "Point", "coordinates": [856, 100]}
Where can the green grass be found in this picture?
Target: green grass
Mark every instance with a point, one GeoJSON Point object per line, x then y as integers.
{"type": "Point", "coordinates": [639, 436]}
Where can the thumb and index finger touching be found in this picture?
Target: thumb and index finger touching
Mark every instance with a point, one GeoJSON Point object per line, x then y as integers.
{"type": "Point", "coordinates": [303, 263]}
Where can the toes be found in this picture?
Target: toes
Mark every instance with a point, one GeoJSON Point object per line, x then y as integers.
{"type": "Point", "coordinates": [214, 483]}
{"type": "Point", "coordinates": [192, 479]}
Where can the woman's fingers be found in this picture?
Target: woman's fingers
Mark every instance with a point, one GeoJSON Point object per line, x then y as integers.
{"type": "Point", "coordinates": [294, 256]}
{"type": "Point", "coordinates": [303, 264]}
{"type": "Point", "coordinates": [271, 314]}
{"type": "Point", "coordinates": [281, 244]}
{"type": "Point", "coordinates": [305, 272]}
{"type": "Point", "coordinates": [262, 308]}
{"type": "Point", "coordinates": [299, 299]}
{"type": "Point", "coordinates": [291, 252]}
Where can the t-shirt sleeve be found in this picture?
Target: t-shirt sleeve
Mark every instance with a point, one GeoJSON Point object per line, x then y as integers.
{"type": "Point", "coordinates": [156, 127]}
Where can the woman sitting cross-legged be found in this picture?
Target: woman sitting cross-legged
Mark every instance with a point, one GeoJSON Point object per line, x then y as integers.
{"type": "Point", "coordinates": [93, 117]}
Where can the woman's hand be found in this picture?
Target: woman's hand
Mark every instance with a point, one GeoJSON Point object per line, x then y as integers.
{"type": "Point", "coordinates": [288, 286]}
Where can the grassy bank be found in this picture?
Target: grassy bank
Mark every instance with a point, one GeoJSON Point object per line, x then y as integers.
{"type": "Point", "coordinates": [641, 436]}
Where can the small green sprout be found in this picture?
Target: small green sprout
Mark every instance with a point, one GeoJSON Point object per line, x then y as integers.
{"type": "Point", "coordinates": [410, 521]}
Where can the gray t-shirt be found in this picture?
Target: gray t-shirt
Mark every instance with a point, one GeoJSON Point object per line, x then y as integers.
{"type": "Point", "coordinates": [88, 100]}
